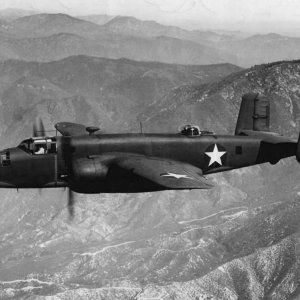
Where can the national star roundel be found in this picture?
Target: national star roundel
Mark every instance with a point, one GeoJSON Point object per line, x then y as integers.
{"type": "Point", "coordinates": [215, 156]}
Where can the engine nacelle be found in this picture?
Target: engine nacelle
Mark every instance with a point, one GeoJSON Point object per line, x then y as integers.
{"type": "Point", "coordinates": [88, 170]}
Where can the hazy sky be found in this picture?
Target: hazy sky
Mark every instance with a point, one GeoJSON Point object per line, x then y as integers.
{"type": "Point", "coordinates": [241, 12]}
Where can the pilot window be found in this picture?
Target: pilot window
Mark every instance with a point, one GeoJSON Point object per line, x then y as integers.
{"type": "Point", "coordinates": [25, 145]}
{"type": "Point", "coordinates": [5, 159]}
{"type": "Point", "coordinates": [39, 146]}
{"type": "Point", "coordinates": [44, 146]}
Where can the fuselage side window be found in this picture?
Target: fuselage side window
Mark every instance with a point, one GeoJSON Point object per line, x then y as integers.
{"type": "Point", "coordinates": [39, 148]}
{"type": "Point", "coordinates": [44, 146]}
{"type": "Point", "coordinates": [238, 150]}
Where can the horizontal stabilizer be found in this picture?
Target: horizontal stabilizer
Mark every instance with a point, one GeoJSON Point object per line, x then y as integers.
{"type": "Point", "coordinates": [269, 137]}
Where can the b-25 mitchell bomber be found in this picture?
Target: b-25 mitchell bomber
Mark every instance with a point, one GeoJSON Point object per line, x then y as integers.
{"type": "Point", "coordinates": [89, 162]}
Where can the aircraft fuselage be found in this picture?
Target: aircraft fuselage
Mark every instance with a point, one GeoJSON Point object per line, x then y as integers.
{"type": "Point", "coordinates": [210, 153]}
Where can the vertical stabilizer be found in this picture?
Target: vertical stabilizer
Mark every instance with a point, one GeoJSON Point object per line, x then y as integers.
{"type": "Point", "coordinates": [254, 114]}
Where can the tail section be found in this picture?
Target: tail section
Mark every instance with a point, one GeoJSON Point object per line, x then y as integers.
{"type": "Point", "coordinates": [254, 114]}
{"type": "Point", "coordinates": [254, 120]}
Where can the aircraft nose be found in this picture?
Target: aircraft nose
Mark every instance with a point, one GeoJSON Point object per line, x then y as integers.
{"type": "Point", "coordinates": [5, 169]}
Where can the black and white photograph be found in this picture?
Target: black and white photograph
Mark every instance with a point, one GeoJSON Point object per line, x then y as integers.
{"type": "Point", "coordinates": [150, 149]}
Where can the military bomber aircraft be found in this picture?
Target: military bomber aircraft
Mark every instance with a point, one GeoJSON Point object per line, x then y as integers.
{"type": "Point", "coordinates": [90, 162]}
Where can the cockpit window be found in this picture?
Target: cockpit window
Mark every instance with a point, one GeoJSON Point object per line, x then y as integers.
{"type": "Point", "coordinates": [25, 145]}
{"type": "Point", "coordinates": [5, 158]}
{"type": "Point", "coordinates": [190, 130]}
{"type": "Point", "coordinates": [193, 130]}
{"type": "Point", "coordinates": [39, 146]}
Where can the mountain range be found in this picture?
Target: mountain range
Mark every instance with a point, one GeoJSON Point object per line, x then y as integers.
{"type": "Point", "coordinates": [97, 19]}
{"type": "Point", "coordinates": [107, 92]}
{"type": "Point", "coordinates": [62, 45]}
{"type": "Point", "coordinates": [47, 37]}
{"type": "Point", "coordinates": [239, 240]}
{"type": "Point", "coordinates": [9, 14]}
{"type": "Point", "coordinates": [131, 26]}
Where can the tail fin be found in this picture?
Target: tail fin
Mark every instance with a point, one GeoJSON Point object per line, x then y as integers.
{"type": "Point", "coordinates": [254, 114]}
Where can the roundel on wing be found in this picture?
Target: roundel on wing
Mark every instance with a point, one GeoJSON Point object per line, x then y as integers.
{"type": "Point", "coordinates": [215, 155]}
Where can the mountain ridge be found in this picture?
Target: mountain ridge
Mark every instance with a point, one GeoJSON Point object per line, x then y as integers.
{"type": "Point", "coordinates": [162, 49]}
{"type": "Point", "coordinates": [10, 14]}
{"type": "Point", "coordinates": [255, 79]}
{"type": "Point", "coordinates": [115, 88]}
{"type": "Point", "coordinates": [141, 40]}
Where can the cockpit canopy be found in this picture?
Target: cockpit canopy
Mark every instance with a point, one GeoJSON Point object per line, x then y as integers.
{"type": "Point", "coordinates": [193, 130]}
{"type": "Point", "coordinates": [190, 130]}
{"type": "Point", "coordinates": [39, 145]}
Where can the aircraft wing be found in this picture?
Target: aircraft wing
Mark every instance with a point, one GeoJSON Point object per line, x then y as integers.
{"type": "Point", "coordinates": [168, 173]}
{"type": "Point", "coordinates": [70, 129]}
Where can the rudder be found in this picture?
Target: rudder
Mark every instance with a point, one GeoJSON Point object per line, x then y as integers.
{"type": "Point", "coordinates": [254, 114]}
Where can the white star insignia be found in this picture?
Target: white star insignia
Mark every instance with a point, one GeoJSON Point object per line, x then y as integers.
{"type": "Point", "coordinates": [215, 156]}
{"type": "Point", "coordinates": [174, 175]}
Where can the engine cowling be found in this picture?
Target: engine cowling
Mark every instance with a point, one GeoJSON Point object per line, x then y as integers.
{"type": "Point", "coordinates": [88, 170]}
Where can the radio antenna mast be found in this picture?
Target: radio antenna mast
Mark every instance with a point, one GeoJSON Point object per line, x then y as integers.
{"type": "Point", "coordinates": [141, 127]}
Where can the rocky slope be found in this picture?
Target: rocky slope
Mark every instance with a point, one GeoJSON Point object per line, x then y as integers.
{"type": "Point", "coordinates": [239, 240]}
{"type": "Point", "coordinates": [279, 81]}
{"type": "Point", "coordinates": [238, 253]}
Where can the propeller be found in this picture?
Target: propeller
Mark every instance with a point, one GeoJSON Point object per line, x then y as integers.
{"type": "Point", "coordinates": [67, 156]}
{"type": "Point", "coordinates": [38, 128]}
{"type": "Point", "coordinates": [71, 203]}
